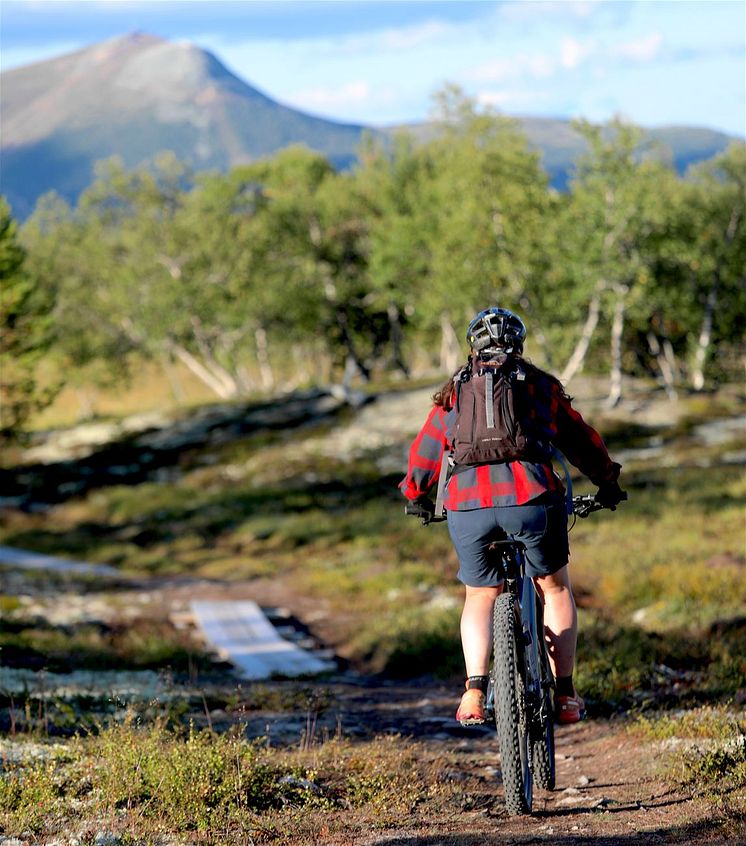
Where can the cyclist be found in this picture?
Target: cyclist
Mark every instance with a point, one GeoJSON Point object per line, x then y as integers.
{"type": "Point", "coordinates": [521, 498]}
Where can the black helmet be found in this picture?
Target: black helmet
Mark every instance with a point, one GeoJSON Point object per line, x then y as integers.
{"type": "Point", "coordinates": [496, 329]}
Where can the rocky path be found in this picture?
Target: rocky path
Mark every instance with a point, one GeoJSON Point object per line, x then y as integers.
{"type": "Point", "coordinates": [610, 784]}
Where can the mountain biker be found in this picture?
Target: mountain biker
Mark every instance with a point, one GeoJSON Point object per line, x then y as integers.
{"type": "Point", "coordinates": [521, 498]}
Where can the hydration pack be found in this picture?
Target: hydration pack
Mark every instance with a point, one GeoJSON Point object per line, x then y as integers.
{"type": "Point", "coordinates": [491, 416]}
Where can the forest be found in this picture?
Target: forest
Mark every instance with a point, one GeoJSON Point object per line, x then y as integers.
{"type": "Point", "coordinates": [285, 273]}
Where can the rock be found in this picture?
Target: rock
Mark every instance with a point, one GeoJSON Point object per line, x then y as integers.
{"type": "Point", "coordinates": [302, 783]}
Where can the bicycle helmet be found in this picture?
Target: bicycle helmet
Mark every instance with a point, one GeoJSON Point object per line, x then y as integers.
{"type": "Point", "coordinates": [496, 329]}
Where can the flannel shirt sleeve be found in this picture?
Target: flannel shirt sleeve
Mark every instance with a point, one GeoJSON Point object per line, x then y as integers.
{"type": "Point", "coordinates": [581, 444]}
{"type": "Point", "coordinates": [425, 456]}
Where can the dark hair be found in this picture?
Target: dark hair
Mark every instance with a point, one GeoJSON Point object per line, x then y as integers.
{"type": "Point", "coordinates": [446, 394]}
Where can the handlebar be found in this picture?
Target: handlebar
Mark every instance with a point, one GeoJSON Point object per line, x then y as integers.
{"type": "Point", "coordinates": [427, 515]}
{"type": "Point", "coordinates": [582, 506]}
{"type": "Point", "coordinates": [585, 505]}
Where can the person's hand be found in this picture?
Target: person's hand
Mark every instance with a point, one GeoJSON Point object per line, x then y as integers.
{"type": "Point", "coordinates": [427, 508]}
{"type": "Point", "coordinates": [610, 495]}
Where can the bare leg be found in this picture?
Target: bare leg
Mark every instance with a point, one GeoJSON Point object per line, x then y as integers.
{"type": "Point", "coordinates": [476, 628]}
{"type": "Point", "coordinates": [560, 620]}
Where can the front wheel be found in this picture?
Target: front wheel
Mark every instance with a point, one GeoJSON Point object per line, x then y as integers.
{"type": "Point", "coordinates": [510, 706]}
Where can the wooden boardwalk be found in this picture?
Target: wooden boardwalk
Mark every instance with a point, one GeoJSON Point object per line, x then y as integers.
{"type": "Point", "coordinates": [240, 633]}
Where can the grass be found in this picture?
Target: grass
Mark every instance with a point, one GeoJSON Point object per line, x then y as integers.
{"type": "Point", "coordinates": [134, 645]}
{"type": "Point", "coordinates": [704, 751]}
{"type": "Point", "coordinates": [142, 780]}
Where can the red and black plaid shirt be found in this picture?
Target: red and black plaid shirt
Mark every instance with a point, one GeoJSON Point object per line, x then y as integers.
{"type": "Point", "coordinates": [510, 482]}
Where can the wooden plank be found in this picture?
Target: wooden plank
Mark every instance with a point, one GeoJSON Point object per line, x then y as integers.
{"type": "Point", "coordinates": [24, 560]}
{"type": "Point", "coordinates": [240, 633]}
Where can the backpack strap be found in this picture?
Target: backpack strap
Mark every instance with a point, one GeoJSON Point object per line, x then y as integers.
{"type": "Point", "coordinates": [556, 454]}
{"type": "Point", "coordinates": [463, 376]}
{"type": "Point", "coordinates": [446, 465]}
{"type": "Point", "coordinates": [489, 390]}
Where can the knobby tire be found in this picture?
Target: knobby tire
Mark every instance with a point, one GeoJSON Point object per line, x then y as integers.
{"type": "Point", "coordinates": [510, 707]}
{"type": "Point", "coordinates": [542, 735]}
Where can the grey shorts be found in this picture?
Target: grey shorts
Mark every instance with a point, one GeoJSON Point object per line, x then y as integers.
{"type": "Point", "coordinates": [540, 526]}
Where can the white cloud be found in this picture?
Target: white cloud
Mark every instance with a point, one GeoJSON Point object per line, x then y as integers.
{"type": "Point", "coordinates": [574, 52]}
{"type": "Point", "coordinates": [641, 49]}
{"type": "Point", "coordinates": [541, 66]}
{"type": "Point", "coordinates": [413, 36]}
{"type": "Point", "coordinates": [534, 65]}
{"type": "Point", "coordinates": [521, 10]}
{"type": "Point", "coordinates": [496, 70]}
{"type": "Point", "coordinates": [319, 97]}
{"type": "Point", "coordinates": [352, 97]}
{"type": "Point", "coordinates": [393, 39]}
{"type": "Point", "coordinates": [515, 98]}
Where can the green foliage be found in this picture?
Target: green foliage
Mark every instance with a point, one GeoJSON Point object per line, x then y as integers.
{"type": "Point", "coordinates": [199, 782]}
{"type": "Point", "coordinates": [703, 749]}
{"type": "Point", "coordinates": [718, 724]}
{"type": "Point", "coordinates": [413, 640]}
{"type": "Point", "coordinates": [719, 770]}
{"type": "Point", "coordinates": [284, 266]}
{"type": "Point", "coordinates": [25, 333]}
{"type": "Point", "coordinates": [28, 796]}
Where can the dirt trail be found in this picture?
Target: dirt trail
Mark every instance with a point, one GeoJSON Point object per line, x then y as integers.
{"type": "Point", "coordinates": [610, 782]}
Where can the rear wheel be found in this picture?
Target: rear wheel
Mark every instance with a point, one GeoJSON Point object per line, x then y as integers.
{"type": "Point", "coordinates": [542, 735]}
{"type": "Point", "coordinates": [510, 707]}
{"type": "Point", "coordinates": [542, 756]}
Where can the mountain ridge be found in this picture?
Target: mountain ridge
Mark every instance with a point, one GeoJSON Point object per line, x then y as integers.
{"type": "Point", "coordinates": [138, 94]}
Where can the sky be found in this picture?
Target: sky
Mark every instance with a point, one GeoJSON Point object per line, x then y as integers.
{"type": "Point", "coordinates": [654, 62]}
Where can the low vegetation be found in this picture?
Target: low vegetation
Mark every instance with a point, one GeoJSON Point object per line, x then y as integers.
{"type": "Point", "coordinates": [704, 750]}
{"type": "Point", "coordinates": [659, 583]}
{"type": "Point", "coordinates": [131, 780]}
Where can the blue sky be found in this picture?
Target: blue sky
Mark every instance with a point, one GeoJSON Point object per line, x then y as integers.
{"type": "Point", "coordinates": [655, 62]}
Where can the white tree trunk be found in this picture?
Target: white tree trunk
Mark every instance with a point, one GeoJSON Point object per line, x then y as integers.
{"type": "Point", "coordinates": [449, 345]}
{"type": "Point", "coordinates": [664, 364]}
{"type": "Point", "coordinates": [262, 357]}
{"type": "Point", "coordinates": [86, 402]}
{"type": "Point", "coordinates": [673, 362]}
{"type": "Point", "coordinates": [209, 362]}
{"type": "Point", "coordinates": [575, 362]}
{"type": "Point", "coordinates": [617, 330]}
{"type": "Point", "coordinates": [703, 342]}
{"type": "Point", "coordinates": [172, 377]}
{"type": "Point", "coordinates": [219, 385]}
{"type": "Point", "coordinates": [705, 333]}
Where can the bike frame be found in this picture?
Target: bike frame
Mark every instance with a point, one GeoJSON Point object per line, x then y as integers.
{"type": "Point", "coordinates": [522, 587]}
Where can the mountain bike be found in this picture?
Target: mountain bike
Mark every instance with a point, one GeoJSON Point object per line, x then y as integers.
{"type": "Point", "coordinates": [520, 692]}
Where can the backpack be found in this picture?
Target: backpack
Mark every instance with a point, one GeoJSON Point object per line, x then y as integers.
{"type": "Point", "coordinates": [492, 424]}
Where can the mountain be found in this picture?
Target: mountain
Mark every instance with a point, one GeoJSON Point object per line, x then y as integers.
{"type": "Point", "coordinates": [134, 96]}
{"type": "Point", "coordinates": [138, 94]}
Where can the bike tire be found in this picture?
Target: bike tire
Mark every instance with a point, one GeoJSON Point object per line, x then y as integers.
{"type": "Point", "coordinates": [542, 741]}
{"type": "Point", "coordinates": [542, 758]}
{"type": "Point", "coordinates": [510, 707]}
